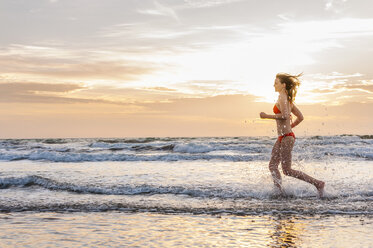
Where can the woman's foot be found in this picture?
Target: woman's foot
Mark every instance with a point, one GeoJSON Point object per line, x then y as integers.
{"type": "Point", "coordinates": [320, 188]}
{"type": "Point", "coordinates": [279, 190]}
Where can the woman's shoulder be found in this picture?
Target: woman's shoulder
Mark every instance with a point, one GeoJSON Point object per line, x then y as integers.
{"type": "Point", "coordinates": [283, 96]}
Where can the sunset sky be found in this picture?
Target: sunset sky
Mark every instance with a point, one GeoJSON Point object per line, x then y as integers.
{"type": "Point", "coordinates": [135, 68]}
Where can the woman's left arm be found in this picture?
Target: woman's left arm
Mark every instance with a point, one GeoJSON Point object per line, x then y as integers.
{"type": "Point", "coordinates": [298, 114]}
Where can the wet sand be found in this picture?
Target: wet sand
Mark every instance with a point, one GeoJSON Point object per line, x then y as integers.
{"type": "Point", "coordinates": [116, 229]}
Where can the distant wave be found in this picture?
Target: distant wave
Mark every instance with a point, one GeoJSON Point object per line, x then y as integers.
{"type": "Point", "coordinates": [113, 155]}
{"type": "Point", "coordinates": [134, 141]}
{"type": "Point", "coordinates": [233, 149]}
{"type": "Point", "coordinates": [55, 141]}
{"type": "Point", "coordinates": [88, 157]}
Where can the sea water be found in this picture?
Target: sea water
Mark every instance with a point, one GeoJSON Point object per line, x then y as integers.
{"type": "Point", "coordinates": [158, 192]}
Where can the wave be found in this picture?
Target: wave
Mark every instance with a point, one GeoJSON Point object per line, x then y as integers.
{"type": "Point", "coordinates": [138, 208]}
{"type": "Point", "coordinates": [144, 189]}
{"type": "Point", "coordinates": [166, 154]}
{"type": "Point", "coordinates": [134, 141]}
{"type": "Point", "coordinates": [55, 141]}
{"type": "Point", "coordinates": [100, 157]}
{"type": "Point", "coordinates": [49, 194]}
{"type": "Point", "coordinates": [169, 147]}
{"type": "Point", "coordinates": [50, 184]}
{"type": "Point", "coordinates": [176, 149]}
{"type": "Point", "coordinates": [366, 136]}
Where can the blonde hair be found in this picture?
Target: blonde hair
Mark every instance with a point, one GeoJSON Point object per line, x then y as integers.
{"type": "Point", "coordinates": [292, 83]}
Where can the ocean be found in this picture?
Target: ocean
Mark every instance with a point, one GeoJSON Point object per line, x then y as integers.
{"type": "Point", "coordinates": [183, 192]}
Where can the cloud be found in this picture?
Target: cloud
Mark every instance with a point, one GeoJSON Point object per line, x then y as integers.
{"type": "Point", "coordinates": [70, 64]}
{"type": "Point", "coordinates": [161, 10]}
{"type": "Point", "coordinates": [324, 91]}
{"type": "Point", "coordinates": [336, 6]}
{"type": "Point", "coordinates": [37, 92]}
{"type": "Point", "coordinates": [336, 75]}
{"type": "Point", "coordinates": [204, 88]}
{"type": "Point", "coordinates": [117, 70]}
{"type": "Point", "coordinates": [208, 3]}
{"type": "Point", "coordinates": [161, 89]}
{"type": "Point", "coordinates": [11, 88]}
{"type": "Point", "coordinates": [362, 87]}
{"type": "Point", "coordinates": [96, 70]}
{"type": "Point", "coordinates": [135, 95]}
{"type": "Point", "coordinates": [152, 37]}
{"type": "Point", "coordinates": [343, 89]}
{"type": "Point", "coordinates": [67, 93]}
{"type": "Point", "coordinates": [328, 29]}
{"type": "Point", "coordinates": [46, 93]}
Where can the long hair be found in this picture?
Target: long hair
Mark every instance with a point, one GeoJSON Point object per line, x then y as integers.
{"type": "Point", "coordinates": [292, 83]}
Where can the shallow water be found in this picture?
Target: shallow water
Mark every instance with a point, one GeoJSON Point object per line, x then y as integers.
{"type": "Point", "coordinates": [183, 192]}
{"type": "Point", "coordinates": [116, 229]}
{"type": "Point", "coordinates": [196, 187]}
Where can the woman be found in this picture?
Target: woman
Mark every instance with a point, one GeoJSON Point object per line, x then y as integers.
{"type": "Point", "coordinates": [286, 85]}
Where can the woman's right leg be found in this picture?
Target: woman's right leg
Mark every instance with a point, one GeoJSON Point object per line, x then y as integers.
{"type": "Point", "coordinates": [286, 149]}
{"type": "Point", "coordinates": [273, 165]}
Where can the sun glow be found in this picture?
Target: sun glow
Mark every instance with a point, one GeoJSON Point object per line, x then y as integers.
{"type": "Point", "coordinates": [248, 66]}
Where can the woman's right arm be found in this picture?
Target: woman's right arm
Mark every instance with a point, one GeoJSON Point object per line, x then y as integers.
{"type": "Point", "coordinates": [284, 109]}
{"type": "Point", "coordinates": [298, 114]}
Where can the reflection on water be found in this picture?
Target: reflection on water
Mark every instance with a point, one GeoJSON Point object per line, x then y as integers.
{"type": "Point", "coordinates": [286, 231]}
{"type": "Point", "coordinates": [116, 229]}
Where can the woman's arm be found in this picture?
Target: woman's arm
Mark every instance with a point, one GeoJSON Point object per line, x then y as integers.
{"type": "Point", "coordinates": [299, 116]}
{"type": "Point", "coordinates": [284, 108]}
{"type": "Point", "coordinates": [275, 117]}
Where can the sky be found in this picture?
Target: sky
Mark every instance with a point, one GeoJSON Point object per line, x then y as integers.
{"type": "Point", "coordinates": [177, 68]}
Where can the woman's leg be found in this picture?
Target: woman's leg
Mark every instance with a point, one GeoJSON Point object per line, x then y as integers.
{"type": "Point", "coordinates": [273, 165]}
{"type": "Point", "coordinates": [286, 148]}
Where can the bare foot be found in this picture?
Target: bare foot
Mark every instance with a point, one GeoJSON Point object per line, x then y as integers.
{"type": "Point", "coordinates": [279, 190]}
{"type": "Point", "coordinates": [320, 188]}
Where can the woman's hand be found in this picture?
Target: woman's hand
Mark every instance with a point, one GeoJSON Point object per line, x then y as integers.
{"type": "Point", "coordinates": [263, 115]}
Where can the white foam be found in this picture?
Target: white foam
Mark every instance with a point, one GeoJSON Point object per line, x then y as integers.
{"type": "Point", "coordinates": [193, 148]}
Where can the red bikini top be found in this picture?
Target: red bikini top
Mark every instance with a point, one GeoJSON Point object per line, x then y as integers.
{"type": "Point", "coordinates": [276, 110]}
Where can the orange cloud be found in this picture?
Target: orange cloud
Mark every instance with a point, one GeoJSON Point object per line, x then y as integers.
{"type": "Point", "coordinates": [116, 70]}
{"type": "Point", "coordinates": [161, 89]}
{"type": "Point", "coordinates": [58, 63]}
{"type": "Point", "coordinates": [46, 94]}
{"type": "Point", "coordinates": [361, 87]}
